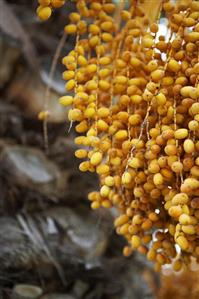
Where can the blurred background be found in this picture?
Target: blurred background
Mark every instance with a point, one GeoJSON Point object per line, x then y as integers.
{"type": "Point", "coordinates": [52, 246]}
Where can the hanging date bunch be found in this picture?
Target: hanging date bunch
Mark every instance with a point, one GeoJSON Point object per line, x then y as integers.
{"type": "Point", "coordinates": [133, 94]}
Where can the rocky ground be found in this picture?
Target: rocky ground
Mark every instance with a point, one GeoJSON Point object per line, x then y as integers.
{"type": "Point", "coordinates": [52, 246]}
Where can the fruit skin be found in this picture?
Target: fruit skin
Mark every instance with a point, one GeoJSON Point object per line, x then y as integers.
{"type": "Point", "coordinates": [188, 146]}
{"type": "Point", "coordinates": [182, 242]}
{"type": "Point", "coordinates": [96, 158]}
{"type": "Point", "coordinates": [70, 29]}
{"type": "Point", "coordinates": [44, 12]}
{"type": "Point", "coordinates": [181, 133]}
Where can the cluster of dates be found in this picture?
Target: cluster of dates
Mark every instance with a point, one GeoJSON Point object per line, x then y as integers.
{"type": "Point", "coordinates": [134, 97]}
